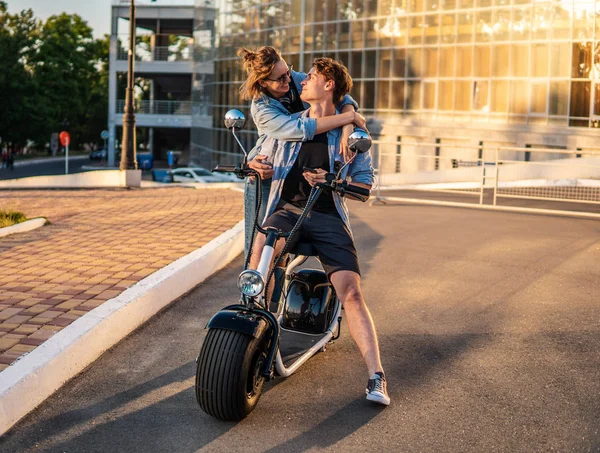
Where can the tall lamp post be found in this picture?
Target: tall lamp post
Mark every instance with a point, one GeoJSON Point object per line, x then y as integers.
{"type": "Point", "coordinates": [128, 143]}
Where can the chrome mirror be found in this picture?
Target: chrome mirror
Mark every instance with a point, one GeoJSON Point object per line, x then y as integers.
{"type": "Point", "coordinates": [359, 141]}
{"type": "Point", "coordinates": [234, 119]}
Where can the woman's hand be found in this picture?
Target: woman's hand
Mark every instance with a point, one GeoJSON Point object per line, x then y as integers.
{"type": "Point", "coordinates": [261, 166]}
{"type": "Point", "coordinates": [314, 178]}
{"type": "Point", "coordinates": [344, 149]}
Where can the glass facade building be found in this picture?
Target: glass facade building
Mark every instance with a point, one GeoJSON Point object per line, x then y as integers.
{"type": "Point", "coordinates": [515, 72]}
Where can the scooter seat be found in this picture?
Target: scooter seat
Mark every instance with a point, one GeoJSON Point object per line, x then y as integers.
{"type": "Point", "coordinates": [304, 249]}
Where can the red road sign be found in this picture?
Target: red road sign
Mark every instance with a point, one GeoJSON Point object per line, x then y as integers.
{"type": "Point", "coordinates": [65, 138]}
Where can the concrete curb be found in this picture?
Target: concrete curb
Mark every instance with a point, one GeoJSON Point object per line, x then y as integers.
{"type": "Point", "coordinates": [21, 163]}
{"type": "Point", "coordinates": [27, 383]}
{"type": "Point", "coordinates": [22, 227]}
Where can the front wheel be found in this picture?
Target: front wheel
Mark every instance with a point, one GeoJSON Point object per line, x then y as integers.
{"type": "Point", "coordinates": [229, 379]}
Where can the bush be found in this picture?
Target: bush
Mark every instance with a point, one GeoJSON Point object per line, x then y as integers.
{"type": "Point", "coordinates": [8, 218]}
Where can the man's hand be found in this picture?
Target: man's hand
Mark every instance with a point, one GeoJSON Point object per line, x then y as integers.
{"type": "Point", "coordinates": [314, 178]}
{"type": "Point", "coordinates": [261, 166]}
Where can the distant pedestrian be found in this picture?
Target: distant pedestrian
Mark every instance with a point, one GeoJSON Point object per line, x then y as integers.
{"type": "Point", "coordinates": [10, 161]}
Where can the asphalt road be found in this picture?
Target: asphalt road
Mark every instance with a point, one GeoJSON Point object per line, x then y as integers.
{"type": "Point", "coordinates": [489, 325]}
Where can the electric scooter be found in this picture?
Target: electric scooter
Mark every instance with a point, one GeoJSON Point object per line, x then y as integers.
{"type": "Point", "coordinates": [249, 342]}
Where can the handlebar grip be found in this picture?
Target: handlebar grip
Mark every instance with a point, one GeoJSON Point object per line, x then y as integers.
{"type": "Point", "coordinates": [224, 168]}
{"type": "Point", "coordinates": [351, 188]}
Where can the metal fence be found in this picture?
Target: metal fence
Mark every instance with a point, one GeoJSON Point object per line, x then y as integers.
{"type": "Point", "coordinates": [167, 53]}
{"type": "Point", "coordinates": [491, 177]}
{"type": "Point", "coordinates": [159, 107]}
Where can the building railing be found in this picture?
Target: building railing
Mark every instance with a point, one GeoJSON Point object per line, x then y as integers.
{"type": "Point", "coordinates": [144, 53]}
{"type": "Point", "coordinates": [160, 107]}
{"type": "Point", "coordinates": [155, 2]}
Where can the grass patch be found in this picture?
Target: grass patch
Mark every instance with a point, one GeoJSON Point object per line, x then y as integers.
{"type": "Point", "coordinates": [8, 218]}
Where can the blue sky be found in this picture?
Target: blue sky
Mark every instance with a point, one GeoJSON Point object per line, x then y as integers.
{"type": "Point", "coordinates": [95, 12]}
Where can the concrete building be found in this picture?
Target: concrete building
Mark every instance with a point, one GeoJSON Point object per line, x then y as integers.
{"type": "Point", "coordinates": [167, 55]}
{"type": "Point", "coordinates": [483, 73]}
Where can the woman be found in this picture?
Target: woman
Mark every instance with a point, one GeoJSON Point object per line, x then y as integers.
{"type": "Point", "coordinates": [274, 89]}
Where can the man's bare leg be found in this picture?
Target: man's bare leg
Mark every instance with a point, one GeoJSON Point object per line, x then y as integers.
{"type": "Point", "coordinates": [360, 323]}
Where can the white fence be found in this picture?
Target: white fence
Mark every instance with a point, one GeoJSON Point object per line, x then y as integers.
{"type": "Point", "coordinates": [500, 176]}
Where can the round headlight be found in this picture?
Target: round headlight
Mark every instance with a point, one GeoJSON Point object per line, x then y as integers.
{"type": "Point", "coordinates": [251, 283]}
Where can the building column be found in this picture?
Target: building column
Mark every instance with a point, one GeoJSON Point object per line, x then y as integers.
{"type": "Point", "coordinates": [151, 141]}
{"type": "Point", "coordinates": [112, 99]}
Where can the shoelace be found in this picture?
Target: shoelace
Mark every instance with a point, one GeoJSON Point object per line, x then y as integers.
{"type": "Point", "coordinates": [378, 387]}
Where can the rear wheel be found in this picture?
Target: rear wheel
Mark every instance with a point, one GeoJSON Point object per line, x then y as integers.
{"type": "Point", "coordinates": [229, 379]}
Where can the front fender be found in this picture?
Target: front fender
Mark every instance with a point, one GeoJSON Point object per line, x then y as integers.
{"type": "Point", "coordinates": [247, 322]}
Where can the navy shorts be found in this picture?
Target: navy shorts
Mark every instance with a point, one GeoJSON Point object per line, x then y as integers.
{"type": "Point", "coordinates": [325, 231]}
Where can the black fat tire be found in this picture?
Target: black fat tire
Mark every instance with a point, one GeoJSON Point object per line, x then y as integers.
{"type": "Point", "coordinates": [228, 380]}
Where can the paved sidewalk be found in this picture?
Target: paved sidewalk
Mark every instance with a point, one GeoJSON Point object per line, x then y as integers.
{"type": "Point", "coordinates": [99, 243]}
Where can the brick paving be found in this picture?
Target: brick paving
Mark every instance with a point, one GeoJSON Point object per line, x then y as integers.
{"type": "Point", "coordinates": [99, 243]}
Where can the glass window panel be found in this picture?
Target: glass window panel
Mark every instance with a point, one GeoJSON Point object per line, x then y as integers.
{"type": "Point", "coordinates": [370, 64]}
{"type": "Point", "coordinates": [464, 61]}
{"type": "Point", "coordinates": [330, 37]}
{"type": "Point", "coordinates": [560, 56]}
{"type": "Point", "coordinates": [399, 64]}
{"type": "Point", "coordinates": [501, 24]}
{"type": "Point", "coordinates": [462, 95]}
{"type": "Point", "coordinates": [383, 94]}
{"type": "Point", "coordinates": [519, 60]}
{"type": "Point", "coordinates": [416, 6]}
{"type": "Point", "coordinates": [483, 26]}
{"type": "Point", "coordinates": [465, 4]}
{"type": "Point", "coordinates": [539, 60]}
{"type": "Point", "coordinates": [428, 95]}
{"type": "Point", "coordinates": [465, 26]}
{"type": "Point", "coordinates": [309, 38]}
{"type": "Point", "coordinates": [500, 60]}
{"type": "Point", "coordinates": [583, 20]}
{"type": "Point", "coordinates": [483, 3]}
{"type": "Point", "coordinates": [538, 98]}
{"type": "Point", "coordinates": [331, 10]}
{"type": "Point", "coordinates": [369, 95]}
{"type": "Point", "coordinates": [596, 107]}
{"type": "Point", "coordinates": [448, 4]}
{"type": "Point", "coordinates": [308, 61]}
{"type": "Point", "coordinates": [580, 99]}
{"type": "Point", "coordinates": [415, 62]}
{"type": "Point", "coordinates": [445, 94]}
{"type": "Point", "coordinates": [480, 96]}
{"type": "Point", "coordinates": [499, 96]}
{"type": "Point", "coordinates": [446, 61]}
{"type": "Point", "coordinates": [397, 95]}
{"type": "Point", "coordinates": [431, 29]}
{"type": "Point", "coordinates": [319, 11]}
{"type": "Point", "coordinates": [356, 92]}
{"type": "Point", "coordinates": [430, 62]}
{"type": "Point", "coordinates": [371, 33]}
{"type": "Point", "coordinates": [415, 30]}
{"type": "Point", "coordinates": [319, 38]}
{"type": "Point", "coordinates": [448, 28]}
{"type": "Point", "coordinates": [357, 34]}
{"type": "Point", "coordinates": [344, 57]}
{"type": "Point", "coordinates": [482, 61]}
{"type": "Point", "coordinates": [293, 42]}
{"type": "Point", "coordinates": [521, 23]}
{"type": "Point", "coordinates": [386, 8]}
{"type": "Point", "coordinates": [344, 35]}
{"type": "Point", "coordinates": [309, 11]}
{"type": "Point", "coordinates": [356, 65]}
{"type": "Point", "coordinates": [542, 20]}
{"type": "Point", "coordinates": [581, 60]}
{"type": "Point", "coordinates": [385, 63]}
{"type": "Point", "coordinates": [518, 96]}
{"type": "Point", "coordinates": [432, 5]}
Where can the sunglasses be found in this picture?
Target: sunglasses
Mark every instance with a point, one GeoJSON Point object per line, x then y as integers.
{"type": "Point", "coordinates": [283, 78]}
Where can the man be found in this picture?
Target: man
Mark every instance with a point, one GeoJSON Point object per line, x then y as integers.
{"type": "Point", "coordinates": [327, 226]}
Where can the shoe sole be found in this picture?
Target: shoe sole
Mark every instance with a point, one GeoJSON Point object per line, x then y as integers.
{"type": "Point", "coordinates": [378, 399]}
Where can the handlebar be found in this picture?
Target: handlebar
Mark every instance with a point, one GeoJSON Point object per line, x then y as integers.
{"type": "Point", "coordinates": [225, 168]}
{"type": "Point", "coordinates": [351, 188]}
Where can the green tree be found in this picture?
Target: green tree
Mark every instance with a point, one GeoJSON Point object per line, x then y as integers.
{"type": "Point", "coordinates": [65, 73]}
{"type": "Point", "coordinates": [18, 34]}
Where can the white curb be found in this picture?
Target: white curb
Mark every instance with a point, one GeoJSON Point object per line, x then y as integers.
{"type": "Point", "coordinates": [28, 382]}
{"type": "Point", "coordinates": [22, 227]}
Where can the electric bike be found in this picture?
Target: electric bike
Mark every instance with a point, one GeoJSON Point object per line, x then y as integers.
{"type": "Point", "coordinates": [249, 342]}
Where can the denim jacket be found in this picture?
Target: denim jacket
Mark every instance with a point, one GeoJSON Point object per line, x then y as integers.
{"type": "Point", "coordinates": [283, 155]}
{"type": "Point", "coordinates": [273, 120]}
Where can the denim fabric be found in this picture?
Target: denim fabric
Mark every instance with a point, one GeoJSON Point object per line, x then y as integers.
{"type": "Point", "coordinates": [273, 121]}
{"type": "Point", "coordinates": [283, 155]}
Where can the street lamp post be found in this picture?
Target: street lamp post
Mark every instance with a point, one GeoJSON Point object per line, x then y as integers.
{"type": "Point", "coordinates": [128, 143]}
